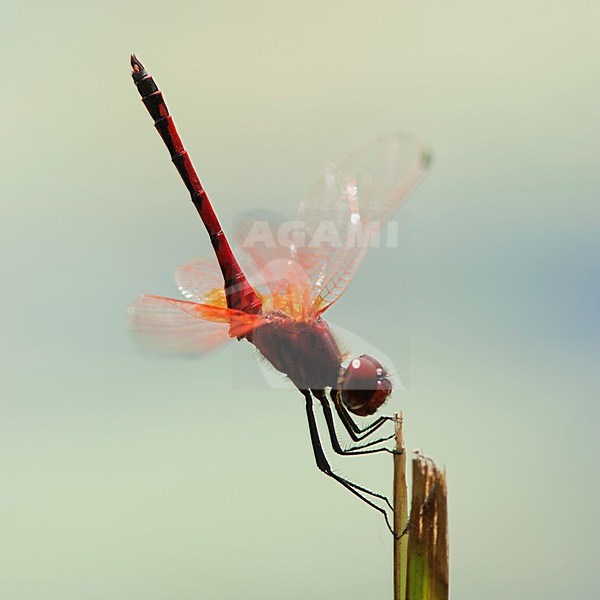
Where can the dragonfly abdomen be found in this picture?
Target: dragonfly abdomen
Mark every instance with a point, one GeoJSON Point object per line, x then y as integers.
{"type": "Point", "coordinates": [240, 294]}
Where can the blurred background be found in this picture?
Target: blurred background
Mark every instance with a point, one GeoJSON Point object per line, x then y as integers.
{"type": "Point", "coordinates": [126, 475]}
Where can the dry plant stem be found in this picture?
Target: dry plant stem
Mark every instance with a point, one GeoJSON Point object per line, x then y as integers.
{"type": "Point", "coordinates": [427, 572]}
{"type": "Point", "coordinates": [400, 513]}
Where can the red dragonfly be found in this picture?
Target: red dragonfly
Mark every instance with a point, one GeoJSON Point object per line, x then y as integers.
{"type": "Point", "coordinates": [280, 312]}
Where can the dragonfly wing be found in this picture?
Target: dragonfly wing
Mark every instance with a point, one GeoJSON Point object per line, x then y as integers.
{"type": "Point", "coordinates": [352, 201]}
{"type": "Point", "coordinates": [267, 240]}
{"type": "Point", "coordinates": [186, 327]}
{"type": "Point", "coordinates": [201, 281]}
{"type": "Point", "coordinates": [258, 235]}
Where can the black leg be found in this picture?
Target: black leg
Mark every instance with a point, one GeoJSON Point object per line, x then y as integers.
{"type": "Point", "coordinates": [325, 467]}
{"type": "Point", "coordinates": [354, 431]}
{"type": "Point", "coordinates": [335, 443]}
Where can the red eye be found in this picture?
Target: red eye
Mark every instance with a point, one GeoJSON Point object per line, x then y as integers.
{"type": "Point", "coordinates": [365, 386]}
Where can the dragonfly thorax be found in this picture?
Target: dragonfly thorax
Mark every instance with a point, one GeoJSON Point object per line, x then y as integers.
{"type": "Point", "coordinates": [305, 351]}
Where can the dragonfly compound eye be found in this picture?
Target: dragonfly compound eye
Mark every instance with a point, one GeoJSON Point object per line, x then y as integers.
{"type": "Point", "coordinates": [364, 386]}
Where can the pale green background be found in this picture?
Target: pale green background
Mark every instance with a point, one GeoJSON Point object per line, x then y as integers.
{"type": "Point", "coordinates": [127, 476]}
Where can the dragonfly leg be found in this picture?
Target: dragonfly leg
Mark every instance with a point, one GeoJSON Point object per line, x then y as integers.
{"type": "Point", "coordinates": [335, 443]}
{"type": "Point", "coordinates": [325, 467]}
{"type": "Point", "coordinates": [354, 431]}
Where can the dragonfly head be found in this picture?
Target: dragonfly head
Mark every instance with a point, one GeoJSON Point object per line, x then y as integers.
{"type": "Point", "coordinates": [364, 385]}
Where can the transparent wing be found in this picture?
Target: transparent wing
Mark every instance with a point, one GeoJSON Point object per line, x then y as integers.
{"type": "Point", "coordinates": [316, 255]}
{"type": "Point", "coordinates": [282, 285]}
{"type": "Point", "coordinates": [258, 236]}
{"type": "Point", "coordinates": [186, 327]}
{"type": "Point", "coordinates": [266, 239]}
{"type": "Point", "coordinates": [201, 281]}
{"type": "Point", "coordinates": [350, 204]}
